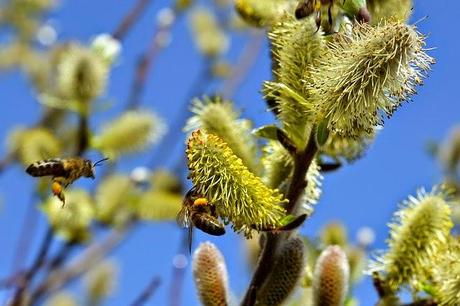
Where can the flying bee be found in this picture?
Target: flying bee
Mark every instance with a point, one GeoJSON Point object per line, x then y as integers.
{"type": "Point", "coordinates": [199, 212]}
{"type": "Point", "coordinates": [64, 172]}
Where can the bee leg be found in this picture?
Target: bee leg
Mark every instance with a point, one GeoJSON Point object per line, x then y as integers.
{"type": "Point", "coordinates": [318, 21]}
{"type": "Point", "coordinates": [329, 13]}
{"type": "Point", "coordinates": [56, 187]}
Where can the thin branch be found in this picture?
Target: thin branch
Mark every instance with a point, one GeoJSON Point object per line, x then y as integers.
{"type": "Point", "coordinates": [268, 254]}
{"type": "Point", "coordinates": [146, 60]}
{"type": "Point", "coordinates": [244, 65]}
{"type": "Point", "coordinates": [148, 292]}
{"type": "Point", "coordinates": [424, 302]}
{"type": "Point", "coordinates": [169, 142]}
{"type": "Point", "coordinates": [29, 274]}
{"type": "Point", "coordinates": [178, 274]}
{"type": "Point", "coordinates": [93, 254]}
{"type": "Point", "coordinates": [129, 20]}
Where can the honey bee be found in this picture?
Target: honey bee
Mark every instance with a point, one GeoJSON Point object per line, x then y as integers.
{"type": "Point", "coordinates": [63, 171]}
{"type": "Point", "coordinates": [199, 212]}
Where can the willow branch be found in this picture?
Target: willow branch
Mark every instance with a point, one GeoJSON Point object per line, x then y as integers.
{"type": "Point", "coordinates": [93, 254]}
{"type": "Point", "coordinates": [147, 293]}
{"type": "Point", "coordinates": [302, 161]}
{"type": "Point", "coordinates": [146, 60]}
{"type": "Point", "coordinates": [244, 64]}
{"type": "Point", "coordinates": [30, 273]}
{"type": "Point", "coordinates": [130, 18]}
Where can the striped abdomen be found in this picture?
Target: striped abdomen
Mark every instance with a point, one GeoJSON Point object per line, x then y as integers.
{"type": "Point", "coordinates": [53, 167]}
{"type": "Point", "coordinates": [208, 223]}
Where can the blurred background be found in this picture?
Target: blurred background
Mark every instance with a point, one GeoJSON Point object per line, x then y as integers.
{"type": "Point", "coordinates": [362, 194]}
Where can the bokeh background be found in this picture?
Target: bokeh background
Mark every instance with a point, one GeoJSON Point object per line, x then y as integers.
{"type": "Point", "coordinates": [365, 193]}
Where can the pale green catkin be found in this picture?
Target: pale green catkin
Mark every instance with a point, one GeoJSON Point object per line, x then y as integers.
{"type": "Point", "coordinates": [366, 76]}
{"type": "Point", "coordinates": [129, 133]}
{"type": "Point", "coordinates": [209, 38]}
{"type": "Point", "coordinates": [295, 46]}
{"type": "Point", "coordinates": [420, 230]}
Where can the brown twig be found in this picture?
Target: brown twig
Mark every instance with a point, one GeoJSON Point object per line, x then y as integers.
{"type": "Point", "coordinates": [302, 161]}
{"type": "Point", "coordinates": [178, 274]}
{"type": "Point", "coordinates": [129, 19]}
{"type": "Point", "coordinates": [424, 302]}
{"type": "Point", "coordinates": [245, 62]}
{"type": "Point", "coordinates": [30, 273]}
{"type": "Point", "coordinates": [146, 60]}
{"type": "Point", "coordinates": [94, 253]}
{"type": "Point", "coordinates": [147, 293]}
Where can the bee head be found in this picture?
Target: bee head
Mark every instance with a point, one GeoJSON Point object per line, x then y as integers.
{"type": "Point", "coordinates": [91, 168]}
{"type": "Point", "coordinates": [90, 171]}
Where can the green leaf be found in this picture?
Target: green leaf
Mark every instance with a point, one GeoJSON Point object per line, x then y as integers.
{"type": "Point", "coordinates": [267, 132]}
{"type": "Point", "coordinates": [322, 133]}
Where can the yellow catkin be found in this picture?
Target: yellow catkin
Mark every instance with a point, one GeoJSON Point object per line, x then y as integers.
{"type": "Point", "coordinates": [420, 230]}
{"type": "Point", "coordinates": [239, 196]}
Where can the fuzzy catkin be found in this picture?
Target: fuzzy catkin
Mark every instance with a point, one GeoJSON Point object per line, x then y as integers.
{"type": "Point", "coordinates": [285, 275]}
{"type": "Point", "coordinates": [130, 132]}
{"type": "Point", "coordinates": [239, 196]}
{"type": "Point", "coordinates": [365, 77]}
{"type": "Point", "coordinates": [331, 276]}
{"type": "Point", "coordinates": [420, 230]}
{"type": "Point", "coordinates": [219, 117]}
{"type": "Point", "coordinates": [210, 275]}
{"type": "Point", "coordinates": [295, 47]}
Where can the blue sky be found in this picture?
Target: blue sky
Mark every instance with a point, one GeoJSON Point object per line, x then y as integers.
{"type": "Point", "coordinates": [365, 193]}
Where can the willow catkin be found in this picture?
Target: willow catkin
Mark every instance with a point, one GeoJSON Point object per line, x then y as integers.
{"type": "Point", "coordinates": [210, 275]}
{"type": "Point", "coordinates": [331, 276]}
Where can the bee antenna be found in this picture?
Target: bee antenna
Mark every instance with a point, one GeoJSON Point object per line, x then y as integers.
{"type": "Point", "coordinates": [100, 161]}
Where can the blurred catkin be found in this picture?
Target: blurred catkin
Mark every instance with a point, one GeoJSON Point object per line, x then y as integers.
{"type": "Point", "coordinates": [210, 275]}
{"type": "Point", "coordinates": [334, 233]}
{"type": "Point", "coordinates": [81, 74]}
{"type": "Point", "coordinates": [362, 78]}
{"type": "Point", "coordinates": [262, 13]}
{"type": "Point", "coordinates": [239, 196]}
{"type": "Point", "coordinates": [31, 145]}
{"type": "Point", "coordinates": [331, 276]}
{"type": "Point", "coordinates": [285, 274]}
{"type": "Point", "coordinates": [219, 117]}
{"type": "Point", "coordinates": [71, 222]}
{"type": "Point", "coordinates": [418, 233]}
{"type": "Point", "coordinates": [210, 39]}
{"type": "Point", "coordinates": [62, 299]}
{"type": "Point", "coordinates": [113, 199]}
{"type": "Point", "coordinates": [100, 281]}
{"type": "Point", "coordinates": [131, 132]}
{"type": "Point", "coordinates": [381, 10]}
{"type": "Point", "coordinates": [157, 205]}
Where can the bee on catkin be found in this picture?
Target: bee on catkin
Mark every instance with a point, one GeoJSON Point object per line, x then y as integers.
{"type": "Point", "coordinates": [64, 171]}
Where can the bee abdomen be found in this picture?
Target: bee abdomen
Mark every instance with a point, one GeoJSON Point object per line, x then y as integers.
{"type": "Point", "coordinates": [46, 167]}
{"type": "Point", "coordinates": [208, 224]}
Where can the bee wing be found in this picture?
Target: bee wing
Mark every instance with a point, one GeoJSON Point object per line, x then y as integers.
{"type": "Point", "coordinates": [183, 217]}
{"type": "Point", "coordinates": [54, 167]}
{"type": "Point", "coordinates": [190, 237]}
